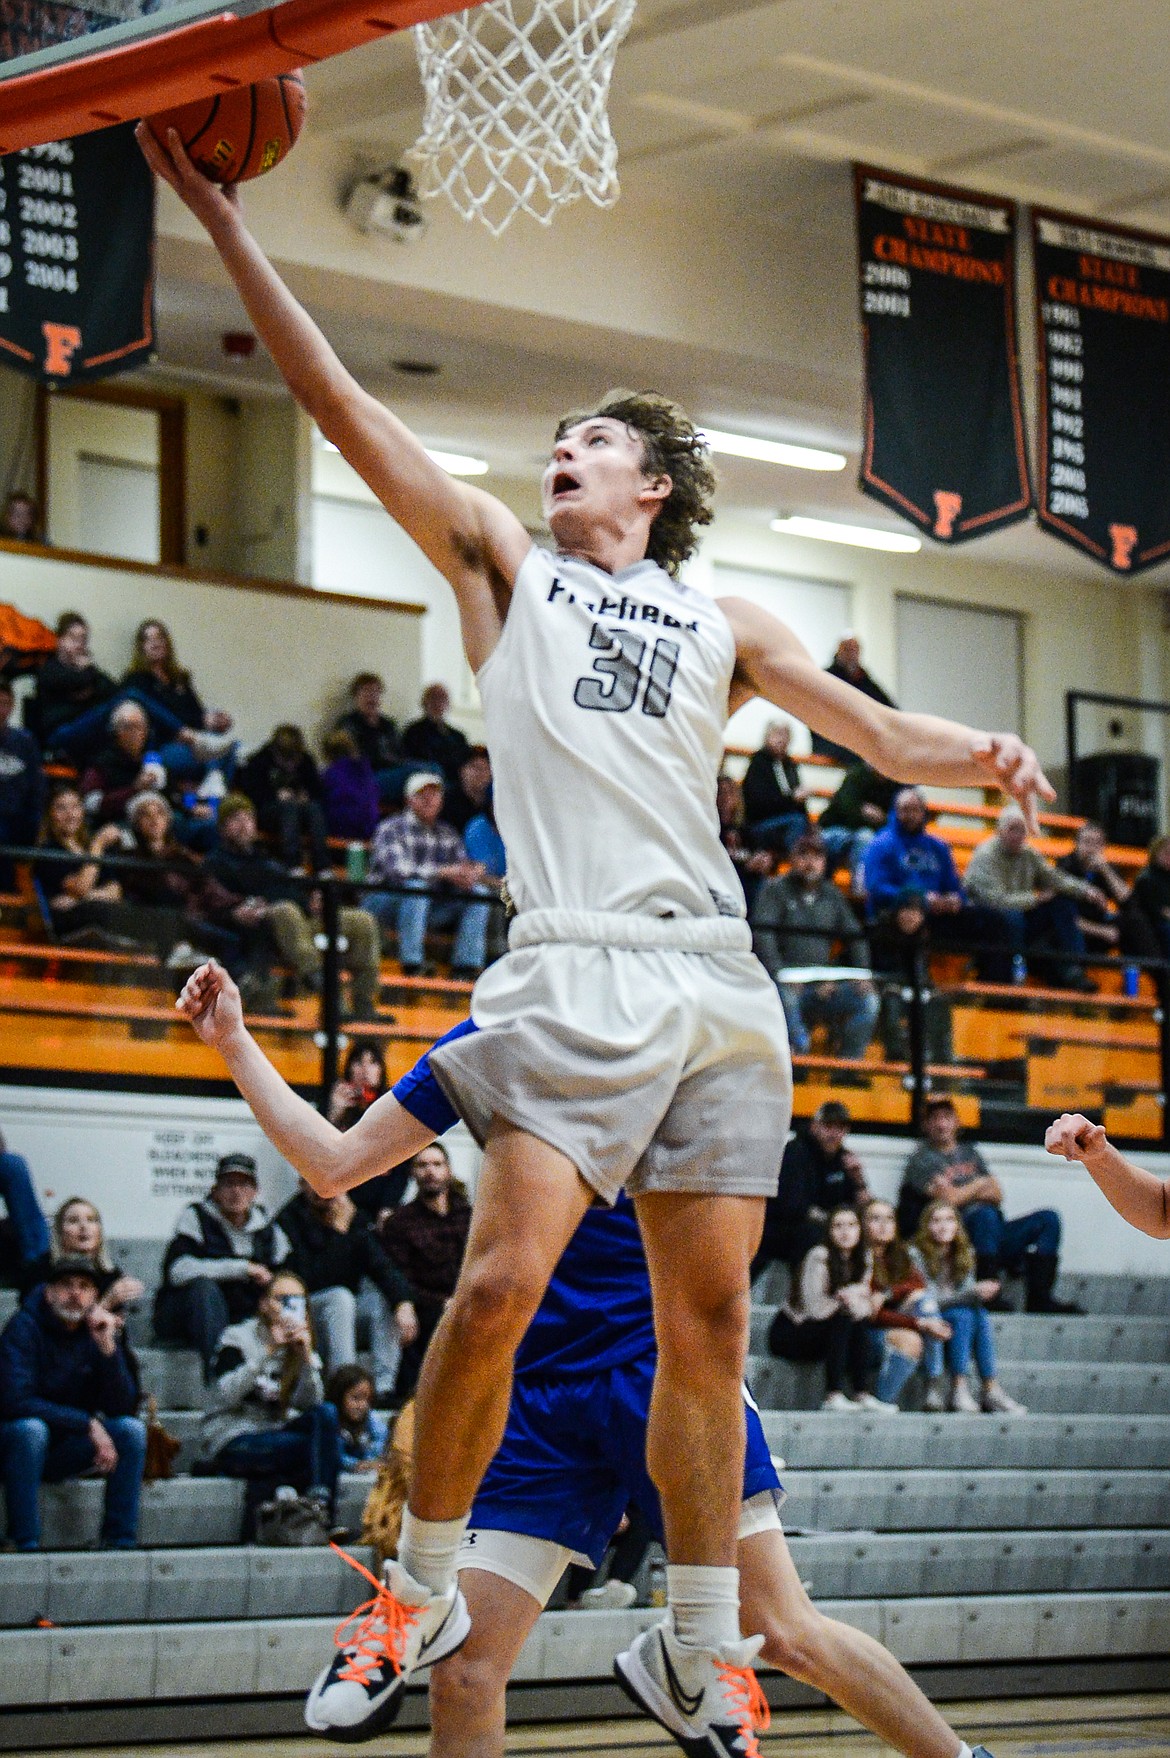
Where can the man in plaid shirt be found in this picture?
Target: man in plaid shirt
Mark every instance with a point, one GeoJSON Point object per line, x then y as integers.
{"type": "Point", "coordinates": [415, 850]}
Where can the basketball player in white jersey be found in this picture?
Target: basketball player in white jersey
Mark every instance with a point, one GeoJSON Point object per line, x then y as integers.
{"type": "Point", "coordinates": [628, 1039]}
{"type": "Point", "coordinates": [1139, 1197]}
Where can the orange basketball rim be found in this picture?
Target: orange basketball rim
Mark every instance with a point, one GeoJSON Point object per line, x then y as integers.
{"type": "Point", "coordinates": [197, 60]}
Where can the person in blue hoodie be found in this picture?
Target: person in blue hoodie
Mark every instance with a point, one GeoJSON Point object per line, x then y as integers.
{"type": "Point", "coordinates": [905, 857]}
{"type": "Point", "coordinates": [68, 1394]}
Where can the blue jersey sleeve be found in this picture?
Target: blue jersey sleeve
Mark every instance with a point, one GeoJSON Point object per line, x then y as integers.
{"type": "Point", "coordinates": [420, 1093]}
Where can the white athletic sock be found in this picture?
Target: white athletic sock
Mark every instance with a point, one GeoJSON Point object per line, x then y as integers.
{"type": "Point", "coordinates": [704, 1603]}
{"type": "Point", "coordinates": [429, 1549]}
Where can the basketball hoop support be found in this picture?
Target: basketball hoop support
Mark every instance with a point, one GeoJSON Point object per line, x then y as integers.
{"type": "Point", "coordinates": [197, 60]}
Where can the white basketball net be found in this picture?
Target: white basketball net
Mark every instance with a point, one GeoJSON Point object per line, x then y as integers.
{"type": "Point", "coordinates": [515, 106]}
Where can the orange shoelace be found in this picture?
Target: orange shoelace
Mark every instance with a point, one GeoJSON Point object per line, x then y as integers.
{"type": "Point", "coordinates": [375, 1631]}
{"type": "Point", "coordinates": [747, 1704]}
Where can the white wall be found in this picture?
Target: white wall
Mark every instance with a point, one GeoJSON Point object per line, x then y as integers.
{"type": "Point", "coordinates": [103, 473]}
{"type": "Point", "coordinates": [263, 655]}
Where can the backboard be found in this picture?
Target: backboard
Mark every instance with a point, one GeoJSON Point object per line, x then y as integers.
{"type": "Point", "coordinates": [68, 68]}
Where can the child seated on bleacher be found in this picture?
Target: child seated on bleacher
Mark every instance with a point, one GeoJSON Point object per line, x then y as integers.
{"type": "Point", "coordinates": [945, 1257]}
{"type": "Point", "coordinates": [364, 1430]}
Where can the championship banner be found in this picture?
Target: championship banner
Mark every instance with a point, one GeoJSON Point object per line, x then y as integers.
{"type": "Point", "coordinates": [944, 428]}
{"type": "Point", "coordinates": [1103, 339]}
{"type": "Point", "coordinates": [77, 257]}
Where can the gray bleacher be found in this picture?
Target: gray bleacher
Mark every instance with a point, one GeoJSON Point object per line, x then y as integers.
{"type": "Point", "coordinates": [958, 1541]}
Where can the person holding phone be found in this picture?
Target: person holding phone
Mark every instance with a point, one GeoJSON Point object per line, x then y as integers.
{"type": "Point", "coordinates": [267, 1418]}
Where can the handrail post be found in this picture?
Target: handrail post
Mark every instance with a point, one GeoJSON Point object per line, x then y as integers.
{"type": "Point", "coordinates": [329, 1034]}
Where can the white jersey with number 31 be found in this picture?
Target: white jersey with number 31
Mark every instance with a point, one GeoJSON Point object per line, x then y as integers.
{"type": "Point", "coordinates": [605, 703]}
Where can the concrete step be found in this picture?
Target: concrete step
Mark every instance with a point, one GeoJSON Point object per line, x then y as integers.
{"type": "Point", "coordinates": [976, 1501]}
{"type": "Point", "coordinates": [1030, 1337]}
{"type": "Point", "coordinates": [177, 1586]}
{"type": "Point", "coordinates": [824, 1440]}
{"type": "Point", "coordinates": [119, 1663]}
{"type": "Point", "coordinates": [1088, 1388]}
{"type": "Point", "coordinates": [861, 1565]}
{"type": "Point", "coordinates": [1142, 1296]}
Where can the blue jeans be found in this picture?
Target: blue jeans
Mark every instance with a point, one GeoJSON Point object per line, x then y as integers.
{"type": "Point", "coordinates": [1009, 1242]}
{"type": "Point", "coordinates": [1051, 927]}
{"type": "Point", "coordinates": [306, 1452]}
{"type": "Point", "coordinates": [77, 735]}
{"type": "Point", "coordinates": [35, 1454]}
{"type": "Point", "coordinates": [846, 846]}
{"type": "Point", "coordinates": [778, 833]}
{"type": "Point", "coordinates": [849, 1009]}
{"type": "Point", "coordinates": [24, 1211]}
{"type": "Point", "coordinates": [971, 1330]}
{"type": "Point", "coordinates": [411, 913]}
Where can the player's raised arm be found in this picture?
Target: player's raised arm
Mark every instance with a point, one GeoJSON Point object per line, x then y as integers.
{"type": "Point", "coordinates": [1138, 1196]}
{"type": "Point", "coordinates": [772, 663]}
{"type": "Point", "coordinates": [473, 539]}
{"type": "Point", "coordinates": [328, 1159]}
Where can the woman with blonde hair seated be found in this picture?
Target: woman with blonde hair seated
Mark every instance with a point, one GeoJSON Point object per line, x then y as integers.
{"type": "Point", "coordinates": [78, 1232]}
{"type": "Point", "coordinates": [945, 1257]}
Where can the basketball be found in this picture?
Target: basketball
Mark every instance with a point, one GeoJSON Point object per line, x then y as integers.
{"type": "Point", "coordinates": [242, 133]}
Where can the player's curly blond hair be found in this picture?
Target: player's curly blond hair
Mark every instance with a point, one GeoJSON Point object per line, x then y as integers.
{"type": "Point", "coordinates": [671, 446]}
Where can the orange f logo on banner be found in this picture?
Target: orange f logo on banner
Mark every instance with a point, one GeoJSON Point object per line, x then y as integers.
{"type": "Point", "coordinates": [947, 507]}
{"type": "Point", "coordinates": [61, 343]}
{"type": "Point", "coordinates": [1124, 539]}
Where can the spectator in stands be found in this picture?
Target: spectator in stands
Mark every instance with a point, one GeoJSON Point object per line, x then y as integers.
{"type": "Point", "coordinates": [826, 1318]}
{"type": "Point", "coordinates": [220, 1259]}
{"type": "Point", "coordinates": [267, 1417]}
{"type": "Point", "coordinates": [375, 734]}
{"type": "Point", "coordinates": [899, 941]}
{"type": "Point", "coordinates": [798, 922]}
{"type": "Point", "coordinates": [432, 739]}
{"type": "Point", "coordinates": [943, 1169]}
{"type": "Point", "coordinates": [125, 765]}
{"type": "Point", "coordinates": [21, 518]}
{"type": "Point", "coordinates": [191, 736]}
{"type": "Point", "coordinates": [751, 864]}
{"type": "Point", "coordinates": [282, 782]}
{"type": "Point", "coordinates": [1151, 892]}
{"type": "Point", "coordinates": [83, 898]}
{"type": "Point", "coordinates": [174, 896]}
{"type": "Point", "coordinates": [426, 1238]}
{"type": "Point", "coordinates": [265, 902]}
{"type": "Point", "coordinates": [68, 1395]}
{"type": "Point", "coordinates": [70, 708]}
{"type": "Point", "coordinates": [78, 1233]}
{"type": "Point", "coordinates": [853, 817]}
{"type": "Point", "coordinates": [817, 1174]}
{"type": "Point", "coordinates": [334, 1250]}
{"type": "Point", "coordinates": [349, 792]}
{"type": "Point", "coordinates": [416, 851]}
{"type": "Point", "coordinates": [24, 1240]}
{"type": "Point", "coordinates": [846, 665]}
{"type": "Point", "coordinates": [363, 1079]}
{"type": "Point", "coordinates": [364, 1430]}
{"type": "Point", "coordinates": [470, 794]}
{"type": "Point", "coordinates": [22, 784]}
{"type": "Point", "coordinates": [1036, 901]}
{"type": "Point", "coordinates": [903, 1315]}
{"type": "Point", "coordinates": [1121, 923]}
{"type": "Point", "coordinates": [945, 1257]}
{"type": "Point", "coordinates": [904, 857]}
{"type": "Point", "coordinates": [773, 799]}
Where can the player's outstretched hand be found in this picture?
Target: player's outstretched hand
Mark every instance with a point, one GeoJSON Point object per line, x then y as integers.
{"type": "Point", "coordinates": [1015, 767]}
{"type": "Point", "coordinates": [209, 202]}
{"type": "Point", "coordinates": [1073, 1137]}
{"type": "Point", "coordinates": [211, 1001]}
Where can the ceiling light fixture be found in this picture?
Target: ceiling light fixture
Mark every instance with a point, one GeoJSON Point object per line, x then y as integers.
{"type": "Point", "coordinates": [859, 536]}
{"type": "Point", "coordinates": [458, 463]}
{"type": "Point", "coordinates": [743, 445]}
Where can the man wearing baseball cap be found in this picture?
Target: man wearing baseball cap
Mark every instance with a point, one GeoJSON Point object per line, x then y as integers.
{"type": "Point", "coordinates": [219, 1260]}
{"type": "Point", "coordinates": [420, 855]}
{"type": "Point", "coordinates": [67, 1400]}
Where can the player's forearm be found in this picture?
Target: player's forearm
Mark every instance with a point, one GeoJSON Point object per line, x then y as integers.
{"type": "Point", "coordinates": [311, 1145]}
{"type": "Point", "coordinates": [924, 748]}
{"type": "Point", "coordinates": [1138, 1196]}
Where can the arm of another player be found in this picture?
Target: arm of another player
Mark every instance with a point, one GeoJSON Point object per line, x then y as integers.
{"type": "Point", "coordinates": [328, 1160]}
{"type": "Point", "coordinates": [476, 543]}
{"type": "Point", "coordinates": [772, 663]}
{"type": "Point", "coordinates": [1139, 1197]}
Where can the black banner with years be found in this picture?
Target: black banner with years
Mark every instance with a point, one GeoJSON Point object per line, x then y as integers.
{"type": "Point", "coordinates": [944, 429]}
{"type": "Point", "coordinates": [77, 257]}
{"type": "Point", "coordinates": [1103, 340]}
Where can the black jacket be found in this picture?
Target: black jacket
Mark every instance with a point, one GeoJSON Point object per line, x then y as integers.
{"type": "Point", "coordinates": [324, 1258]}
{"type": "Point", "coordinates": [64, 693]}
{"type": "Point", "coordinates": [58, 1375]}
{"type": "Point", "coordinates": [764, 796]}
{"type": "Point", "coordinates": [437, 743]}
{"type": "Point", "coordinates": [811, 1179]}
{"type": "Point", "coordinates": [262, 779]}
